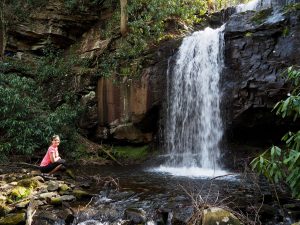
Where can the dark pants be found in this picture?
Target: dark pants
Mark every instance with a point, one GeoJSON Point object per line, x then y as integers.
{"type": "Point", "coordinates": [52, 166]}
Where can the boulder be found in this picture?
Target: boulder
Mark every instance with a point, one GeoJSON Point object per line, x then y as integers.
{"type": "Point", "coordinates": [13, 219]}
{"type": "Point", "coordinates": [215, 215]}
{"type": "Point", "coordinates": [80, 194]}
{"type": "Point", "coordinates": [29, 182]}
{"type": "Point", "coordinates": [47, 195]}
{"type": "Point", "coordinates": [4, 209]}
{"type": "Point", "coordinates": [19, 193]}
{"type": "Point", "coordinates": [60, 199]}
{"type": "Point", "coordinates": [135, 215]}
{"type": "Point", "coordinates": [52, 186]}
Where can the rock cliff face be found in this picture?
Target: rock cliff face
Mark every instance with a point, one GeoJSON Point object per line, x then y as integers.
{"type": "Point", "coordinates": [259, 46]}
{"type": "Point", "coordinates": [129, 110]}
{"type": "Point", "coordinates": [51, 24]}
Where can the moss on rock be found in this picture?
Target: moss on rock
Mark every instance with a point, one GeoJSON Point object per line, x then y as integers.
{"type": "Point", "coordinates": [29, 183]}
{"type": "Point", "coordinates": [64, 187]}
{"type": "Point", "coordinates": [56, 201]}
{"type": "Point", "coordinates": [19, 193]}
{"type": "Point", "coordinates": [80, 194]}
{"type": "Point", "coordinates": [219, 216]}
{"type": "Point", "coordinates": [4, 209]}
{"type": "Point", "coordinates": [261, 16]}
{"type": "Point", "coordinates": [13, 219]}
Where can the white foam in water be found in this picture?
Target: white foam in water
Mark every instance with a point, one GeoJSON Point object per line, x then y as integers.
{"type": "Point", "coordinates": [92, 222]}
{"type": "Point", "coordinates": [276, 17]}
{"type": "Point", "coordinates": [249, 6]}
{"type": "Point", "coordinates": [190, 171]}
{"type": "Point", "coordinates": [104, 200]}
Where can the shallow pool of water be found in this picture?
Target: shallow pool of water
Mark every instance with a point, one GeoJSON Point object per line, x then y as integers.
{"type": "Point", "coordinates": [158, 192]}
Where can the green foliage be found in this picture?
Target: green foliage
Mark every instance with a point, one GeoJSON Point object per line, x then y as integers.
{"type": "Point", "coordinates": [54, 66]}
{"type": "Point", "coordinates": [149, 22]}
{"type": "Point", "coordinates": [284, 164]}
{"type": "Point", "coordinates": [27, 114]}
{"type": "Point", "coordinates": [291, 105]}
{"type": "Point", "coordinates": [79, 152]}
{"type": "Point", "coordinates": [16, 10]}
{"type": "Point", "coordinates": [82, 5]}
{"type": "Point", "coordinates": [130, 152]}
{"type": "Point", "coordinates": [20, 105]}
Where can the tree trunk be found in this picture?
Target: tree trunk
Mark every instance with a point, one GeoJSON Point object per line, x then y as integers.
{"type": "Point", "coordinates": [2, 30]}
{"type": "Point", "coordinates": [124, 17]}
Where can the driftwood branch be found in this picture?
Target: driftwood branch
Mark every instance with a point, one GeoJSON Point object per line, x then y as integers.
{"type": "Point", "coordinates": [27, 165]}
{"type": "Point", "coordinates": [30, 212]}
{"type": "Point", "coordinates": [111, 156]}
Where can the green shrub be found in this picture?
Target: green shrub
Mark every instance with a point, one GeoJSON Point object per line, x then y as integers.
{"type": "Point", "coordinates": [27, 115]}
{"type": "Point", "coordinates": [283, 164]}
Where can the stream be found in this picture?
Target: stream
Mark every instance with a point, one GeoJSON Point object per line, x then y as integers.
{"type": "Point", "coordinates": [170, 193]}
{"type": "Point", "coordinates": [147, 197]}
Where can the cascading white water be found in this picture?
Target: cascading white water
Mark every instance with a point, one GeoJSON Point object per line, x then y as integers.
{"type": "Point", "coordinates": [263, 4]}
{"type": "Point", "coordinates": [193, 126]}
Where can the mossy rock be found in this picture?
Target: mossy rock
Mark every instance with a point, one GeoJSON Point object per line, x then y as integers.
{"type": "Point", "coordinates": [215, 215]}
{"type": "Point", "coordinates": [249, 34]}
{"type": "Point", "coordinates": [60, 199]}
{"type": "Point", "coordinates": [64, 187]}
{"type": "Point", "coordinates": [261, 16]}
{"type": "Point", "coordinates": [13, 219]}
{"type": "Point", "coordinates": [29, 183]}
{"type": "Point", "coordinates": [23, 204]}
{"type": "Point", "coordinates": [56, 201]}
{"type": "Point", "coordinates": [52, 186]}
{"type": "Point", "coordinates": [80, 194]}
{"type": "Point", "coordinates": [19, 193]}
{"type": "Point", "coordinates": [4, 209]}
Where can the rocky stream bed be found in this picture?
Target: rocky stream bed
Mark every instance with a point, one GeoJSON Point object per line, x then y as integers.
{"type": "Point", "coordinates": [133, 195]}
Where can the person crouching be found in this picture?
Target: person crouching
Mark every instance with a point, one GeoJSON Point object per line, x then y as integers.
{"type": "Point", "coordinates": [52, 162]}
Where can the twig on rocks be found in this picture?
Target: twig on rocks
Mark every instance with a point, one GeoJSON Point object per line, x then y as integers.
{"type": "Point", "coordinates": [111, 156]}
{"type": "Point", "coordinates": [30, 212]}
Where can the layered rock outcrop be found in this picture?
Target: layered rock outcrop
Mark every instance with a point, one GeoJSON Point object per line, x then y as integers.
{"type": "Point", "coordinates": [259, 47]}
{"type": "Point", "coordinates": [129, 110]}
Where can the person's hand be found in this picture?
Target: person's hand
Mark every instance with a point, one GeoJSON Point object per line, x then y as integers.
{"type": "Point", "coordinates": [57, 158]}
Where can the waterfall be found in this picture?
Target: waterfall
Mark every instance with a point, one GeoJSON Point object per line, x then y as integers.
{"type": "Point", "coordinates": [263, 4]}
{"type": "Point", "coordinates": [193, 125]}
{"type": "Point", "coordinates": [193, 129]}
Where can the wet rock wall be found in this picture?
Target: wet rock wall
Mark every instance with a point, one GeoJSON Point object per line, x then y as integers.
{"type": "Point", "coordinates": [257, 54]}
